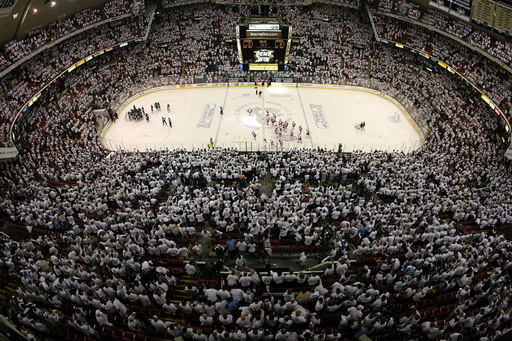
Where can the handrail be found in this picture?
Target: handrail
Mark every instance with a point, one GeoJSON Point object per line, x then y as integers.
{"type": "Point", "coordinates": [150, 22]}
{"type": "Point", "coordinates": [262, 2]}
{"type": "Point", "coordinates": [375, 33]}
{"type": "Point", "coordinates": [9, 330]}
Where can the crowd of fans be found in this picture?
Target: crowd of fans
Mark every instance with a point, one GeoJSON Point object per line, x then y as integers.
{"type": "Point", "coordinates": [185, 49]}
{"type": "Point", "coordinates": [28, 79]}
{"type": "Point", "coordinates": [484, 73]}
{"type": "Point", "coordinates": [17, 49]}
{"type": "Point", "coordinates": [322, 51]}
{"type": "Point", "coordinates": [501, 49]}
{"type": "Point", "coordinates": [145, 243]}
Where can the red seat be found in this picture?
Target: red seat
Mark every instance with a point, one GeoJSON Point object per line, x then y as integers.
{"type": "Point", "coordinates": [140, 337]}
{"type": "Point", "coordinates": [107, 330]}
{"type": "Point", "coordinates": [129, 336]}
{"type": "Point", "coordinates": [427, 313]}
{"type": "Point", "coordinates": [118, 333]}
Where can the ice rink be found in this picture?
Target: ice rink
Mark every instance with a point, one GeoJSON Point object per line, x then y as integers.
{"type": "Point", "coordinates": [250, 122]}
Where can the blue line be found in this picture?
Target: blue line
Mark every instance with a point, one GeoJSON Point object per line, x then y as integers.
{"type": "Point", "coordinates": [305, 118]}
{"type": "Point", "coordinates": [221, 116]}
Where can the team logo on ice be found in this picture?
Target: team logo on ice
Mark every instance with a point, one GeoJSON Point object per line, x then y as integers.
{"type": "Point", "coordinates": [318, 115]}
{"type": "Point", "coordinates": [207, 115]}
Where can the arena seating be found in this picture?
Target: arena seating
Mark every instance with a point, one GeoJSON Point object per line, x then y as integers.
{"type": "Point", "coordinates": [17, 49]}
{"type": "Point", "coordinates": [137, 246]}
{"type": "Point", "coordinates": [501, 49]}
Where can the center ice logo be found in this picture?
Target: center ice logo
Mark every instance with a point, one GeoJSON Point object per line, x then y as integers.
{"type": "Point", "coordinates": [249, 116]}
{"type": "Point", "coordinates": [253, 116]}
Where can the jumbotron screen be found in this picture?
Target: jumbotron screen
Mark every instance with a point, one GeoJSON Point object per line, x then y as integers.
{"type": "Point", "coordinates": [263, 44]}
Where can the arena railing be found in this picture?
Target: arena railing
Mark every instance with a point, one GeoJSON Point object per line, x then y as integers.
{"type": "Point", "coordinates": [176, 3]}
{"type": "Point", "coordinates": [251, 146]}
{"type": "Point", "coordinates": [9, 331]}
{"type": "Point", "coordinates": [346, 3]}
{"type": "Point", "coordinates": [374, 29]}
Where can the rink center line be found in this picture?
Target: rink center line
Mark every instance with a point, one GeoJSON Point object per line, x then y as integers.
{"type": "Point", "coordinates": [411, 121]}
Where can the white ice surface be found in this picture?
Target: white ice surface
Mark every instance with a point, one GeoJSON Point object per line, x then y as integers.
{"type": "Point", "coordinates": [330, 114]}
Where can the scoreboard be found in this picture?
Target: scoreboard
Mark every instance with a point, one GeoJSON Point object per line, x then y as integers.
{"type": "Point", "coordinates": [263, 44]}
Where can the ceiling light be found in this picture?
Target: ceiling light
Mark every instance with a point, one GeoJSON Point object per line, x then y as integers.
{"type": "Point", "coordinates": [34, 10]}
